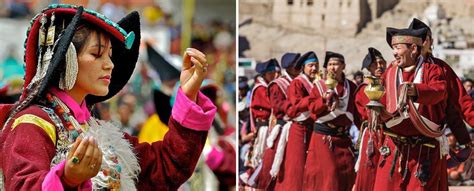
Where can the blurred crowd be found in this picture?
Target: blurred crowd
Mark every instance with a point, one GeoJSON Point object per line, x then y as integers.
{"type": "Point", "coordinates": [143, 107]}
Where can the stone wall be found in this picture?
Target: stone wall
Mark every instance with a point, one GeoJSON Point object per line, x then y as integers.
{"type": "Point", "coordinates": [324, 16]}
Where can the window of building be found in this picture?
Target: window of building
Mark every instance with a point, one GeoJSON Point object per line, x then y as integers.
{"type": "Point", "coordinates": [322, 17]}
{"type": "Point", "coordinates": [290, 2]}
{"type": "Point", "coordinates": [309, 2]}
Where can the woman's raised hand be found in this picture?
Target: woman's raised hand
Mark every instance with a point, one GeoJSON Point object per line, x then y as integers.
{"type": "Point", "coordinates": [193, 72]}
{"type": "Point", "coordinates": [83, 162]}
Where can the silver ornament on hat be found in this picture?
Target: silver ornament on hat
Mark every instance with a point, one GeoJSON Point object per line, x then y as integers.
{"type": "Point", "coordinates": [68, 77]}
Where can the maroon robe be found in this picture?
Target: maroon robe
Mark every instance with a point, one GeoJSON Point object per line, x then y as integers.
{"type": "Point", "coordinates": [459, 106]}
{"type": "Point", "coordinates": [432, 98]}
{"type": "Point", "coordinates": [260, 105]}
{"type": "Point", "coordinates": [367, 164]}
{"type": "Point", "coordinates": [459, 103]}
{"type": "Point", "coordinates": [291, 172]}
{"type": "Point", "coordinates": [330, 160]}
{"type": "Point", "coordinates": [260, 111]}
{"type": "Point", "coordinates": [165, 165]}
{"type": "Point", "coordinates": [278, 99]}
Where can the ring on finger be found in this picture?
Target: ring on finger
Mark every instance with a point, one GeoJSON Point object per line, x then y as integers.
{"type": "Point", "coordinates": [92, 166]}
{"type": "Point", "coordinates": [204, 69]}
{"type": "Point", "coordinates": [75, 160]}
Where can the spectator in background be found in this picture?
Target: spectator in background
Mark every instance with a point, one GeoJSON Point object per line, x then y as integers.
{"type": "Point", "coordinates": [125, 109]}
{"type": "Point", "coordinates": [103, 111]}
{"type": "Point", "coordinates": [467, 83]}
{"type": "Point", "coordinates": [454, 173]}
{"type": "Point", "coordinates": [468, 173]}
{"type": "Point", "coordinates": [17, 9]}
{"type": "Point", "coordinates": [11, 77]}
{"type": "Point", "coordinates": [11, 67]}
{"type": "Point", "coordinates": [358, 78]}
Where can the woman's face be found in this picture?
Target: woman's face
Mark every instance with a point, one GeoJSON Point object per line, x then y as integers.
{"type": "Point", "coordinates": [95, 66]}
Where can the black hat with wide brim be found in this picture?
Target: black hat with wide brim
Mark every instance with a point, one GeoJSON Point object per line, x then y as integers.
{"type": "Point", "coordinates": [306, 58]}
{"type": "Point", "coordinates": [125, 40]}
{"type": "Point", "coordinates": [406, 36]}
{"type": "Point", "coordinates": [418, 24]}
{"type": "Point", "coordinates": [267, 66]}
{"type": "Point", "coordinates": [333, 55]}
{"type": "Point", "coordinates": [289, 59]}
{"type": "Point", "coordinates": [371, 56]}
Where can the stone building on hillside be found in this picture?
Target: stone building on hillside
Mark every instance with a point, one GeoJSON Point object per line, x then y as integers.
{"type": "Point", "coordinates": [346, 17]}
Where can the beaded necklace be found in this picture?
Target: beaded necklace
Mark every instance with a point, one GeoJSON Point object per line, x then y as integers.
{"type": "Point", "coordinates": [109, 175]}
{"type": "Point", "coordinates": [63, 111]}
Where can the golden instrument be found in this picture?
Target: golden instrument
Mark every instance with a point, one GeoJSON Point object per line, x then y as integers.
{"type": "Point", "coordinates": [331, 81]}
{"type": "Point", "coordinates": [374, 91]}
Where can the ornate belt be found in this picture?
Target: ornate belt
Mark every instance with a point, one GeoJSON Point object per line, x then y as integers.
{"type": "Point", "coordinates": [413, 140]}
{"type": "Point", "coordinates": [329, 129]}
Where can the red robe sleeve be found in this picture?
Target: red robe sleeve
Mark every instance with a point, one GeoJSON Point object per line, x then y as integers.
{"type": "Point", "coordinates": [278, 101]}
{"type": "Point", "coordinates": [27, 153]}
{"type": "Point", "coordinates": [456, 92]}
{"type": "Point", "coordinates": [167, 164]}
{"type": "Point", "coordinates": [435, 91]}
{"type": "Point", "coordinates": [361, 101]}
{"type": "Point", "coordinates": [464, 102]}
{"type": "Point", "coordinates": [298, 97]}
{"type": "Point", "coordinates": [260, 105]}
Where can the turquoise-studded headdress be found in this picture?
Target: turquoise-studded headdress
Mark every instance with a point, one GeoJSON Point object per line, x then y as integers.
{"type": "Point", "coordinates": [41, 44]}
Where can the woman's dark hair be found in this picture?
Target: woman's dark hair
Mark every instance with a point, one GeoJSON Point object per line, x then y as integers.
{"type": "Point", "coordinates": [80, 38]}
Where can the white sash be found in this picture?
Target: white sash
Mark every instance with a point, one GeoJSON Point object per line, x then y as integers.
{"type": "Point", "coordinates": [338, 111]}
{"type": "Point", "coordinates": [418, 80]}
{"type": "Point", "coordinates": [280, 149]}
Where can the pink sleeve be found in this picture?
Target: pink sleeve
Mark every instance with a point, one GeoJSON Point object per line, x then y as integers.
{"type": "Point", "coordinates": [215, 158]}
{"type": "Point", "coordinates": [52, 181]}
{"type": "Point", "coordinates": [197, 116]}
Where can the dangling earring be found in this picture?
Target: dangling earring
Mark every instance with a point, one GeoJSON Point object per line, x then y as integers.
{"type": "Point", "coordinates": [68, 77]}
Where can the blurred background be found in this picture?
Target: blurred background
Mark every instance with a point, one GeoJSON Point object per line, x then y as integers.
{"type": "Point", "coordinates": [270, 28]}
{"type": "Point", "coordinates": [144, 105]}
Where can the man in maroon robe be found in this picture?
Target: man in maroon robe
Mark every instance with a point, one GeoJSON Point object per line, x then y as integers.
{"type": "Point", "coordinates": [330, 160]}
{"type": "Point", "coordinates": [260, 110]}
{"type": "Point", "coordinates": [416, 101]}
{"type": "Point", "coordinates": [459, 103]}
{"type": "Point", "coordinates": [277, 90]}
{"type": "Point", "coordinates": [290, 176]}
{"type": "Point", "coordinates": [366, 165]}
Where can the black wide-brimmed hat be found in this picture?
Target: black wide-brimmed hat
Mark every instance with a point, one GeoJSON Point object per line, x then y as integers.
{"type": "Point", "coordinates": [307, 57]}
{"type": "Point", "coordinates": [332, 55]}
{"type": "Point", "coordinates": [267, 66]}
{"type": "Point", "coordinates": [406, 36]}
{"type": "Point", "coordinates": [418, 24]}
{"type": "Point", "coordinates": [124, 37]}
{"type": "Point", "coordinates": [371, 56]}
{"type": "Point", "coordinates": [289, 59]}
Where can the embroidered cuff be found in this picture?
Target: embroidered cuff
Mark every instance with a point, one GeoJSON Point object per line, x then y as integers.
{"type": "Point", "coordinates": [197, 116]}
{"type": "Point", "coordinates": [52, 181]}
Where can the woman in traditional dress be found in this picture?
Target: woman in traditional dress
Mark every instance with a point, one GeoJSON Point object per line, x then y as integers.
{"type": "Point", "coordinates": [74, 59]}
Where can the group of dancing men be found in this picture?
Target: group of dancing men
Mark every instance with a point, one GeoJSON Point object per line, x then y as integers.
{"type": "Point", "coordinates": [299, 121]}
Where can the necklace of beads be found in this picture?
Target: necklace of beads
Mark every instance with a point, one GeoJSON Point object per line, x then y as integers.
{"type": "Point", "coordinates": [110, 172]}
{"type": "Point", "coordinates": [63, 111]}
